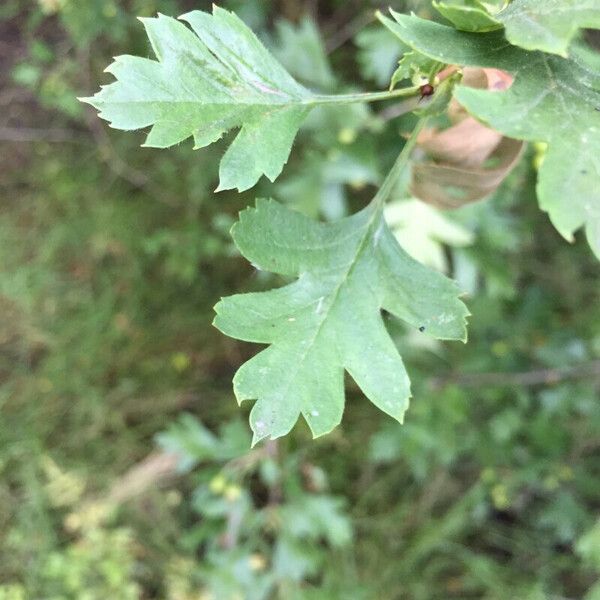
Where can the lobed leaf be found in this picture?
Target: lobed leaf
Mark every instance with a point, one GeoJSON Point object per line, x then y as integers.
{"type": "Point", "coordinates": [329, 319]}
{"type": "Point", "coordinates": [549, 25]}
{"type": "Point", "coordinates": [205, 82]}
{"type": "Point", "coordinates": [552, 99]}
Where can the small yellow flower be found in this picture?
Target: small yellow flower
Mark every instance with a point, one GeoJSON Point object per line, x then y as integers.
{"type": "Point", "coordinates": [50, 7]}
{"type": "Point", "coordinates": [565, 473]}
{"type": "Point", "coordinates": [500, 348]}
{"type": "Point", "coordinates": [232, 492]}
{"type": "Point", "coordinates": [551, 483]}
{"type": "Point", "coordinates": [257, 562]}
{"type": "Point", "coordinates": [180, 361]}
{"type": "Point", "coordinates": [500, 497]}
{"type": "Point", "coordinates": [217, 484]}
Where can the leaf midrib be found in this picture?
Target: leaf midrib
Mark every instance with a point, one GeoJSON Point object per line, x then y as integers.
{"type": "Point", "coordinates": [333, 298]}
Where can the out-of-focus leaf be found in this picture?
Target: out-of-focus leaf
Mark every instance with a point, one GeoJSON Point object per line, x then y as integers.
{"type": "Point", "coordinates": [588, 546]}
{"type": "Point", "coordinates": [301, 51]}
{"type": "Point", "coordinates": [549, 25]}
{"type": "Point", "coordinates": [294, 560]}
{"type": "Point", "coordinates": [378, 54]}
{"type": "Point", "coordinates": [194, 443]}
{"type": "Point", "coordinates": [319, 186]}
{"type": "Point", "coordinates": [318, 516]}
{"type": "Point", "coordinates": [422, 231]}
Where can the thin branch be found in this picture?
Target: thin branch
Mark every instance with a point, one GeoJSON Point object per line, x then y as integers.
{"type": "Point", "coordinates": [32, 134]}
{"type": "Point", "coordinates": [413, 91]}
{"type": "Point", "coordinates": [589, 370]}
{"type": "Point", "coordinates": [400, 165]}
{"type": "Point", "coordinates": [154, 470]}
{"type": "Point", "coordinates": [397, 110]}
{"type": "Point", "coordinates": [348, 31]}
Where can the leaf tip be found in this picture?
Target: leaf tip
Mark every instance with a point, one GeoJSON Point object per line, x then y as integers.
{"type": "Point", "coordinates": [320, 432]}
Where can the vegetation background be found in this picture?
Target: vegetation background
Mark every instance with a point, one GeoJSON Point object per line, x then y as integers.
{"type": "Point", "coordinates": [125, 469]}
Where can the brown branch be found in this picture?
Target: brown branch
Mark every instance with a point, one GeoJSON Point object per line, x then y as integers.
{"type": "Point", "coordinates": [155, 470]}
{"type": "Point", "coordinates": [32, 134]}
{"type": "Point", "coordinates": [341, 35]}
{"type": "Point", "coordinates": [525, 378]}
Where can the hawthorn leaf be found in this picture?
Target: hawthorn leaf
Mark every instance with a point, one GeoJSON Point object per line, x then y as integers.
{"type": "Point", "coordinates": [552, 99]}
{"type": "Point", "coordinates": [329, 319]}
{"type": "Point", "coordinates": [205, 82]}
{"type": "Point", "coordinates": [549, 25]}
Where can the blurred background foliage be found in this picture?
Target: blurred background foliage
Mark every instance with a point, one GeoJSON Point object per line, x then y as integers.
{"type": "Point", "coordinates": [125, 469]}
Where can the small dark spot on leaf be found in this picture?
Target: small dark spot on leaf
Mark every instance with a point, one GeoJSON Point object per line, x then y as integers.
{"type": "Point", "coordinates": [597, 108]}
{"type": "Point", "coordinates": [422, 328]}
{"type": "Point", "coordinates": [583, 172]}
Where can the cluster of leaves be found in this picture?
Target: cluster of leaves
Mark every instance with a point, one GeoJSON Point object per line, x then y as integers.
{"type": "Point", "coordinates": [553, 99]}
{"type": "Point", "coordinates": [489, 489]}
{"type": "Point", "coordinates": [219, 76]}
{"type": "Point", "coordinates": [222, 77]}
{"type": "Point", "coordinates": [304, 522]}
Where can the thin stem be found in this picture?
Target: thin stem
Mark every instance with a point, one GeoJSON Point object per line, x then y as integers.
{"type": "Point", "coordinates": [363, 97]}
{"type": "Point", "coordinates": [401, 162]}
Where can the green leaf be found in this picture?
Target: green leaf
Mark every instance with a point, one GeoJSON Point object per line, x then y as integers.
{"type": "Point", "coordinates": [468, 15]}
{"type": "Point", "coordinates": [210, 80]}
{"type": "Point", "coordinates": [552, 99]}
{"type": "Point", "coordinates": [378, 54]}
{"type": "Point", "coordinates": [318, 186]}
{"type": "Point", "coordinates": [203, 85]}
{"type": "Point", "coordinates": [329, 319]}
{"type": "Point", "coordinates": [548, 25]}
{"type": "Point", "coordinates": [317, 516]}
{"type": "Point", "coordinates": [422, 231]}
{"type": "Point", "coordinates": [413, 65]}
{"type": "Point", "coordinates": [300, 49]}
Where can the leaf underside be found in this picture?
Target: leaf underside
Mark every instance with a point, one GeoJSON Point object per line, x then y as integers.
{"type": "Point", "coordinates": [552, 99]}
{"type": "Point", "coordinates": [329, 319]}
{"type": "Point", "coordinates": [205, 82]}
{"type": "Point", "coordinates": [548, 25]}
